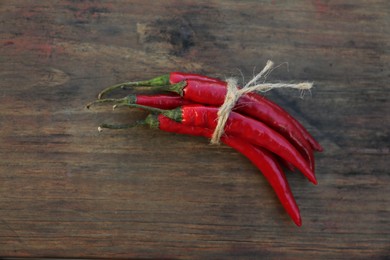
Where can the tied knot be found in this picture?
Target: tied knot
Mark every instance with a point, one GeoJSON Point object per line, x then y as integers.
{"type": "Point", "coordinates": [234, 93]}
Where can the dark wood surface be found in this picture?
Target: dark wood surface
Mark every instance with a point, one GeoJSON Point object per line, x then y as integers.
{"type": "Point", "coordinates": [68, 191]}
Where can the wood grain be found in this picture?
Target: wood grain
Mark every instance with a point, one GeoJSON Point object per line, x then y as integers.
{"type": "Point", "coordinates": [68, 191]}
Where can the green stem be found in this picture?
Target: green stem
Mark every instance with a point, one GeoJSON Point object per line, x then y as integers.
{"type": "Point", "coordinates": [155, 82]}
{"type": "Point", "coordinates": [147, 108]}
{"type": "Point", "coordinates": [176, 88]}
{"type": "Point", "coordinates": [129, 99]}
{"type": "Point", "coordinates": [152, 121]}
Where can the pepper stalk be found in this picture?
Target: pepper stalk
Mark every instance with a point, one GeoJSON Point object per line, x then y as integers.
{"type": "Point", "coordinates": [155, 82]}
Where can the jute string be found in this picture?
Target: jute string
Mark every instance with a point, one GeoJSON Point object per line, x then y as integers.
{"type": "Point", "coordinates": [234, 93]}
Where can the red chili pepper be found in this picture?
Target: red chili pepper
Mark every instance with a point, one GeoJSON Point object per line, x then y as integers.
{"type": "Point", "coordinates": [249, 129]}
{"type": "Point", "coordinates": [314, 144]}
{"type": "Point", "coordinates": [158, 101]}
{"type": "Point", "coordinates": [262, 159]}
{"type": "Point", "coordinates": [268, 165]}
{"type": "Point", "coordinates": [164, 80]}
{"type": "Point", "coordinates": [176, 77]}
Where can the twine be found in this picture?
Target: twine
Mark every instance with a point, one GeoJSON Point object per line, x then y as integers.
{"type": "Point", "coordinates": [234, 93]}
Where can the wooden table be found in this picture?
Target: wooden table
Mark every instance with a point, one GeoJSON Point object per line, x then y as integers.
{"type": "Point", "coordinates": [68, 191]}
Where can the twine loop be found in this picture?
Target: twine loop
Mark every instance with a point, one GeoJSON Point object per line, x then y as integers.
{"type": "Point", "coordinates": [234, 93]}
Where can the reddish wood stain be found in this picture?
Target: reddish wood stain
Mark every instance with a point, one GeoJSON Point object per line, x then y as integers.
{"type": "Point", "coordinates": [321, 7]}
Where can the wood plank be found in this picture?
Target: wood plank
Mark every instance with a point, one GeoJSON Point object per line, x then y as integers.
{"type": "Point", "coordinates": [68, 191]}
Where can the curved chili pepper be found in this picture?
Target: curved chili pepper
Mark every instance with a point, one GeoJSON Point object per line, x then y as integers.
{"type": "Point", "coordinates": [164, 80]}
{"type": "Point", "coordinates": [159, 101]}
{"type": "Point", "coordinates": [176, 77]}
{"type": "Point", "coordinates": [254, 132]}
{"type": "Point", "coordinates": [268, 165]}
{"type": "Point", "coordinates": [262, 159]}
{"type": "Point", "coordinates": [314, 144]}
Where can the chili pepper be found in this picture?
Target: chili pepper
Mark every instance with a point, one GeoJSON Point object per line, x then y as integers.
{"type": "Point", "coordinates": [262, 159]}
{"type": "Point", "coordinates": [314, 144]}
{"type": "Point", "coordinates": [254, 132]}
{"type": "Point", "coordinates": [266, 162]}
{"type": "Point", "coordinates": [164, 80]}
{"type": "Point", "coordinates": [159, 101]}
{"type": "Point", "coordinates": [176, 77]}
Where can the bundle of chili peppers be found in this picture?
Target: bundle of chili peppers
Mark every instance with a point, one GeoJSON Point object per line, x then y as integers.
{"type": "Point", "coordinates": [257, 127]}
